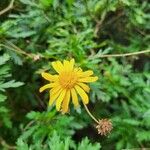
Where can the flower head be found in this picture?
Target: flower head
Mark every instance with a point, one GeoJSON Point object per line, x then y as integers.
{"type": "Point", "coordinates": [65, 85]}
{"type": "Point", "coordinates": [104, 126]}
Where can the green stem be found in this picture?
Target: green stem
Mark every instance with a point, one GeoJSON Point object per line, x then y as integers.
{"type": "Point", "coordinates": [89, 113]}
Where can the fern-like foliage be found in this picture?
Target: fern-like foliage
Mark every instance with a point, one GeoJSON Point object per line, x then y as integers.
{"type": "Point", "coordinates": [5, 83]}
{"type": "Point", "coordinates": [55, 142]}
{"type": "Point", "coordinates": [49, 131]}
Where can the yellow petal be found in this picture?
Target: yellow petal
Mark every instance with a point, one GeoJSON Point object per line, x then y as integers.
{"type": "Point", "coordinates": [60, 99]}
{"type": "Point", "coordinates": [47, 86]}
{"type": "Point", "coordinates": [74, 97]}
{"type": "Point", "coordinates": [49, 77]}
{"type": "Point", "coordinates": [83, 95]}
{"type": "Point", "coordinates": [66, 102]}
{"type": "Point", "coordinates": [84, 87]}
{"type": "Point", "coordinates": [58, 66]}
{"type": "Point", "coordinates": [54, 93]}
{"type": "Point", "coordinates": [88, 79]}
{"type": "Point", "coordinates": [71, 64]}
{"type": "Point", "coordinates": [85, 74]}
{"type": "Point", "coordinates": [66, 65]}
{"type": "Point", "coordinates": [55, 89]}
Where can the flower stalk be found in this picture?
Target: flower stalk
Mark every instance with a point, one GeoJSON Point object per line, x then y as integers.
{"type": "Point", "coordinates": [89, 113]}
{"type": "Point", "coordinates": [104, 126]}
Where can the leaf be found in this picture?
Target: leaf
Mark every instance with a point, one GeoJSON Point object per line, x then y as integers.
{"type": "Point", "coordinates": [46, 3]}
{"type": "Point", "coordinates": [33, 115]}
{"type": "Point", "coordinates": [24, 34]}
{"type": "Point", "coordinates": [28, 2]}
{"type": "Point", "coordinates": [10, 84]}
{"type": "Point", "coordinates": [147, 114]}
{"type": "Point", "coordinates": [7, 122]}
{"type": "Point", "coordinates": [85, 144]}
{"type": "Point", "coordinates": [143, 136]}
{"type": "Point", "coordinates": [17, 59]}
{"type": "Point", "coordinates": [4, 59]}
{"type": "Point", "coordinates": [21, 145]}
{"type": "Point", "coordinates": [131, 122]}
{"type": "Point", "coordinates": [2, 98]}
{"type": "Point", "coordinates": [4, 71]}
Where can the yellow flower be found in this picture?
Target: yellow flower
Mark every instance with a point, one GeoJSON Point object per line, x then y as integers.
{"type": "Point", "coordinates": [69, 82]}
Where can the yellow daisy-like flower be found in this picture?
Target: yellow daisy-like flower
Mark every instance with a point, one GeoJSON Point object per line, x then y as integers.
{"type": "Point", "coordinates": [69, 82]}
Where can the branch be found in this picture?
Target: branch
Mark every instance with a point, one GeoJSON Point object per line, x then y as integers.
{"type": "Point", "coordinates": [19, 50]}
{"type": "Point", "coordinates": [16, 49]}
{"type": "Point", "coordinates": [5, 145]}
{"type": "Point", "coordinates": [99, 23]}
{"type": "Point", "coordinates": [9, 7]}
{"type": "Point", "coordinates": [120, 55]}
{"type": "Point", "coordinates": [28, 125]}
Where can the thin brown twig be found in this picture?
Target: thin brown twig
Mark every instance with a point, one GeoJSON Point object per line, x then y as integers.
{"type": "Point", "coordinates": [10, 48]}
{"type": "Point", "coordinates": [111, 21]}
{"type": "Point", "coordinates": [99, 23]}
{"type": "Point", "coordinates": [5, 145]}
{"type": "Point", "coordinates": [9, 7]}
{"type": "Point", "coordinates": [28, 125]}
{"type": "Point", "coordinates": [42, 104]}
{"type": "Point", "coordinates": [19, 49]}
{"type": "Point", "coordinates": [30, 55]}
{"type": "Point", "coordinates": [119, 55]}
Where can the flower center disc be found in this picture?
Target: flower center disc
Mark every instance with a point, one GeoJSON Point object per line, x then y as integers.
{"type": "Point", "coordinates": [68, 79]}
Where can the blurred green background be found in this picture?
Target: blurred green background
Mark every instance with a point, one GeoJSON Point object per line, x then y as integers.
{"type": "Point", "coordinates": [36, 32]}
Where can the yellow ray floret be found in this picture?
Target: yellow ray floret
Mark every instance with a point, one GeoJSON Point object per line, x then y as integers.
{"type": "Point", "coordinates": [67, 84]}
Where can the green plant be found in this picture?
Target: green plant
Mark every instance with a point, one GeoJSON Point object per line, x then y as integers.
{"type": "Point", "coordinates": [5, 84]}
{"type": "Point", "coordinates": [108, 36]}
